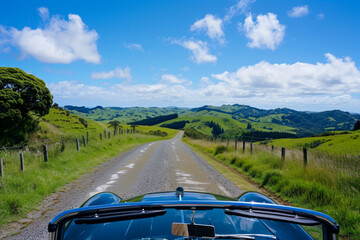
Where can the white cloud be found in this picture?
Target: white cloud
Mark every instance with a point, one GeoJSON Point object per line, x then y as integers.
{"type": "Point", "coordinates": [172, 79]}
{"type": "Point", "coordinates": [204, 82]}
{"type": "Point", "coordinates": [199, 50]}
{"type": "Point", "coordinates": [298, 11]}
{"type": "Point", "coordinates": [329, 85]}
{"type": "Point", "coordinates": [117, 73]}
{"type": "Point", "coordinates": [134, 46]}
{"type": "Point", "coordinates": [336, 77]}
{"type": "Point", "coordinates": [266, 32]}
{"type": "Point", "coordinates": [43, 13]}
{"type": "Point", "coordinates": [239, 8]}
{"type": "Point", "coordinates": [138, 94]}
{"type": "Point", "coordinates": [60, 41]}
{"type": "Point", "coordinates": [212, 25]}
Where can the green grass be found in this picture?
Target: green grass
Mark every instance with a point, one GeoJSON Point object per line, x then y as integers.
{"type": "Point", "coordinates": [60, 125]}
{"type": "Point", "coordinates": [323, 185]}
{"type": "Point", "coordinates": [70, 122]}
{"type": "Point", "coordinates": [341, 143]}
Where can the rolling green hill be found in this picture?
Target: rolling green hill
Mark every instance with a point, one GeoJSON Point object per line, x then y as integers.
{"type": "Point", "coordinates": [306, 123]}
{"type": "Point", "coordinates": [234, 119]}
{"type": "Point", "coordinates": [61, 124]}
{"type": "Point", "coordinates": [123, 115]}
{"type": "Point", "coordinates": [335, 142]}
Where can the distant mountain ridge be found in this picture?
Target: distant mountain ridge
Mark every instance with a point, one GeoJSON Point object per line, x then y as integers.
{"type": "Point", "coordinates": [304, 123]}
{"type": "Point", "coordinates": [307, 122]}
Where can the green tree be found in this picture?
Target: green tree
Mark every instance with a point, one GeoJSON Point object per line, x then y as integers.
{"type": "Point", "coordinates": [83, 122]}
{"type": "Point", "coordinates": [114, 124]}
{"type": "Point", "coordinates": [357, 125]}
{"type": "Point", "coordinates": [23, 98]}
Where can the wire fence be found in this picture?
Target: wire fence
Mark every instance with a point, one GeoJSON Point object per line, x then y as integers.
{"type": "Point", "coordinates": [44, 150]}
{"type": "Point", "coordinates": [349, 161]}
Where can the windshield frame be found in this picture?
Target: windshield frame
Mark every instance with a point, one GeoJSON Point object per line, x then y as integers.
{"type": "Point", "coordinates": [331, 227]}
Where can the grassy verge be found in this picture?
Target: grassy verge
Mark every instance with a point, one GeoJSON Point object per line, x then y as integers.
{"type": "Point", "coordinates": [21, 192]}
{"type": "Point", "coordinates": [321, 186]}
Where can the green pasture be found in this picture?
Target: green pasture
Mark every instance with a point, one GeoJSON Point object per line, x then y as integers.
{"type": "Point", "coordinates": [341, 143]}
{"type": "Point", "coordinates": [328, 184]}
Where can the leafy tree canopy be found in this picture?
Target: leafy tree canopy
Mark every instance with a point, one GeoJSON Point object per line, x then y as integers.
{"type": "Point", "coordinates": [357, 125]}
{"type": "Point", "coordinates": [21, 96]}
{"type": "Point", "coordinates": [114, 124]}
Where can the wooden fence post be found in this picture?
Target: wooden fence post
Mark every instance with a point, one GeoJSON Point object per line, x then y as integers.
{"type": "Point", "coordinates": [22, 162]}
{"type": "Point", "coordinates": [114, 132]}
{"type": "Point", "coordinates": [109, 134]}
{"type": "Point", "coordinates": [105, 133]}
{"type": "Point", "coordinates": [244, 146]}
{"type": "Point", "coordinates": [1, 168]}
{"type": "Point", "coordinates": [100, 136]}
{"type": "Point", "coordinates": [251, 148]}
{"type": "Point", "coordinates": [46, 159]}
{"type": "Point", "coordinates": [84, 140]}
{"type": "Point", "coordinates": [272, 148]}
{"type": "Point", "coordinates": [77, 145]}
{"type": "Point", "coordinates": [62, 146]}
{"type": "Point", "coordinates": [305, 156]}
{"type": "Point", "coordinates": [87, 137]}
{"type": "Point", "coordinates": [282, 156]}
{"type": "Point", "coordinates": [235, 144]}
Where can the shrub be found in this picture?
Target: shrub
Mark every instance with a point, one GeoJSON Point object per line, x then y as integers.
{"type": "Point", "coordinates": [219, 150]}
{"type": "Point", "coordinates": [247, 167]}
{"type": "Point", "coordinates": [271, 178]}
{"type": "Point", "coordinates": [233, 160]}
{"type": "Point", "coordinates": [83, 122]}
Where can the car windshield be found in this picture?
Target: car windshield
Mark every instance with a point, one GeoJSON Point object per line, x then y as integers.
{"type": "Point", "coordinates": [160, 227]}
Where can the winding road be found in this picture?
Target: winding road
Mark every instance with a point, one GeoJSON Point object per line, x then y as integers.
{"type": "Point", "coordinates": [152, 167]}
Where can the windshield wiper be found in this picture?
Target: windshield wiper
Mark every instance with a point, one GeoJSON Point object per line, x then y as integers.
{"type": "Point", "coordinates": [118, 216]}
{"type": "Point", "coordinates": [243, 236]}
{"type": "Point", "coordinates": [272, 215]}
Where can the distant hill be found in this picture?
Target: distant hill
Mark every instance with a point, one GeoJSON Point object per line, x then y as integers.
{"type": "Point", "coordinates": [306, 123]}
{"type": "Point", "coordinates": [123, 115]}
{"type": "Point", "coordinates": [234, 119]}
{"type": "Point", "coordinates": [82, 109]}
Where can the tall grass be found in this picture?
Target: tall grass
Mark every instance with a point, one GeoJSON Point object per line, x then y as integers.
{"type": "Point", "coordinates": [330, 184]}
{"type": "Point", "coordinates": [22, 192]}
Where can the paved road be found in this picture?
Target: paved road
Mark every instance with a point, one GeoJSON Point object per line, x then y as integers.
{"type": "Point", "coordinates": [152, 167]}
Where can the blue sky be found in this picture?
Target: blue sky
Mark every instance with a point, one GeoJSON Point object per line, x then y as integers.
{"type": "Point", "coordinates": [268, 54]}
